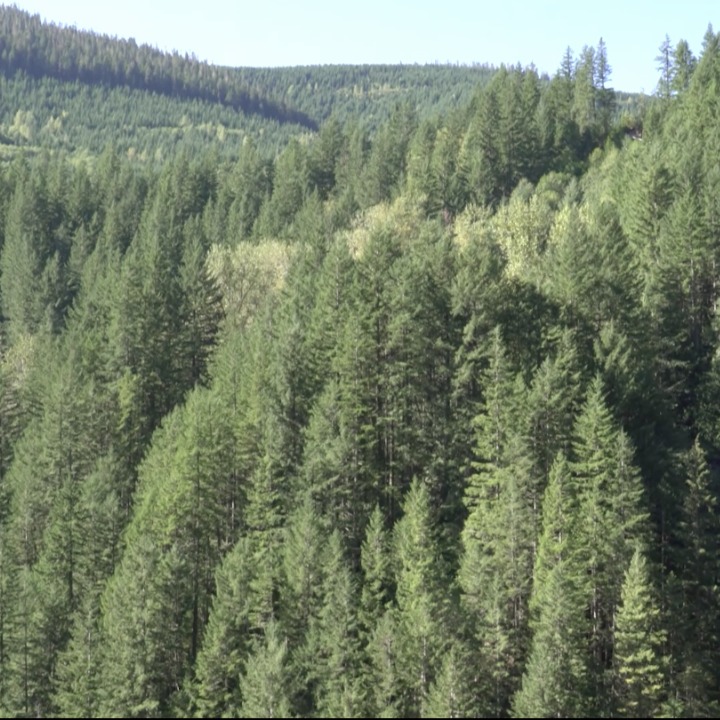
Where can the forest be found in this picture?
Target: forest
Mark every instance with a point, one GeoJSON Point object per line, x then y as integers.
{"type": "Point", "coordinates": [404, 406]}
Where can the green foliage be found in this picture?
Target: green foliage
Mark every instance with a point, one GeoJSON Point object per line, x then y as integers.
{"type": "Point", "coordinates": [422, 607]}
{"type": "Point", "coordinates": [264, 684]}
{"type": "Point", "coordinates": [556, 679]}
{"type": "Point", "coordinates": [378, 420]}
{"type": "Point", "coordinates": [638, 642]}
{"type": "Point", "coordinates": [613, 519]}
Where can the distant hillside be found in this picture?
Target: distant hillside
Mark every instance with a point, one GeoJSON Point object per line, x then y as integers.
{"type": "Point", "coordinates": [74, 117]}
{"type": "Point", "coordinates": [46, 50]}
{"type": "Point", "coordinates": [368, 93]}
{"type": "Point", "coordinates": [182, 92]}
{"type": "Point", "coordinates": [304, 95]}
{"type": "Point", "coordinates": [76, 91]}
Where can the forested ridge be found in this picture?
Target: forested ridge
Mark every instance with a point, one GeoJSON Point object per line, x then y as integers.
{"type": "Point", "coordinates": [68, 89]}
{"type": "Point", "coordinates": [412, 419]}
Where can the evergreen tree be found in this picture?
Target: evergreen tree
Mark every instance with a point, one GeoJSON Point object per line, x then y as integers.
{"type": "Point", "coordinates": [335, 640]}
{"type": "Point", "coordinates": [384, 673]}
{"type": "Point", "coordinates": [226, 642]}
{"type": "Point", "coordinates": [584, 100]}
{"type": "Point", "coordinates": [665, 66]}
{"type": "Point", "coordinates": [556, 680]}
{"type": "Point", "coordinates": [605, 98]}
{"type": "Point", "coordinates": [146, 644]}
{"type": "Point", "coordinates": [264, 685]}
{"type": "Point", "coordinates": [421, 600]}
{"type": "Point", "coordinates": [301, 600]}
{"type": "Point", "coordinates": [612, 519]}
{"type": "Point", "coordinates": [451, 694]}
{"type": "Point", "coordinates": [684, 65]}
{"type": "Point", "coordinates": [376, 568]}
{"type": "Point", "coordinates": [697, 559]}
{"type": "Point", "coordinates": [639, 638]}
{"type": "Point", "coordinates": [498, 537]}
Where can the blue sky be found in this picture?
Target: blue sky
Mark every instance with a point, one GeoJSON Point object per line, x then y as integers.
{"type": "Point", "coordinates": [311, 32]}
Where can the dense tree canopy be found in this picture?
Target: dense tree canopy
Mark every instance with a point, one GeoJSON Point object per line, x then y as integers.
{"type": "Point", "coordinates": [414, 417]}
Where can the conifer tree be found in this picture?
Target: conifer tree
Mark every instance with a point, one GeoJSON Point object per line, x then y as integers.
{"type": "Point", "coordinates": [556, 679]}
{"type": "Point", "coordinates": [585, 90]}
{"type": "Point", "coordinates": [301, 600]}
{"type": "Point", "coordinates": [452, 694]}
{"type": "Point", "coordinates": [226, 642]}
{"type": "Point", "coordinates": [665, 66]}
{"type": "Point", "coordinates": [612, 518]}
{"type": "Point", "coordinates": [336, 642]}
{"type": "Point", "coordinates": [383, 678]}
{"type": "Point", "coordinates": [264, 685]}
{"type": "Point", "coordinates": [8, 618]}
{"type": "Point", "coordinates": [377, 583]}
{"type": "Point", "coordinates": [421, 599]}
{"type": "Point", "coordinates": [605, 98]}
{"type": "Point", "coordinates": [498, 537]}
{"type": "Point", "coordinates": [638, 662]}
{"type": "Point", "coordinates": [77, 679]}
{"type": "Point", "coordinates": [684, 65]}
{"type": "Point", "coordinates": [697, 561]}
{"type": "Point", "coordinates": [553, 400]}
{"type": "Point", "coordinates": [481, 150]}
{"type": "Point", "coordinates": [290, 186]}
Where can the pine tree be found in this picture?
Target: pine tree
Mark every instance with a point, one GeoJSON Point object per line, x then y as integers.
{"type": "Point", "coordinates": [697, 561]}
{"type": "Point", "coordinates": [684, 65]}
{"type": "Point", "coordinates": [605, 98]}
{"type": "Point", "coordinates": [9, 608]}
{"type": "Point", "coordinates": [376, 569]}
{"type": "Point", "coordinates": [498, 537]}
{"type": "Point", "coordinates": [201, 312]}
{"type": "Point", "coordinates": [584, 96]}
{"type": "Point", "coordinates": [553, 401]}
{"type": "Point", "coordinates": [301, 600]}
{"type": "Point", "coordinates": [383, 678]}
{"type": "Point", "coordinates": [226, 642]}
{"type": "Point", "coordinates": [481, 149]}
{"type": "Point", "coordinates": [290, 186]}
{"type": "Point", "coordinates": [612, 518]}
{"type": "Point", "coordinates": [145, 625]}
{"type": "Point", "coordinates": [249, 186]}
{"type": "Point", "coordinates": [637, 661]}
{"type": "Point", "coordinates": [335, 640]}
{"type": "Point", "coordinates": [665, 66]}
{"type": "Point", "coordinates": [264, 685]}
{"type": "Point", "coordinates": [421, 600]}
{"type": "Point", "coordinates": [556, 680]}
{"type": "Point", "coordinates": [77, 681]}
{"type": "Point", "coordinates": [452, 693]}
{"type": "Point", "coordinates": [682, 297]}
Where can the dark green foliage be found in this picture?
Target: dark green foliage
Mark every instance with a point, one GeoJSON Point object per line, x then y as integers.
{"type": "Point", "coordinates": [556, 677]}
{"type": "Point", "coordinates": [696, 564]}
{"type": "Point", "coordinates": [422, 601]}
{"type": "Point", "coordinates": [498, 537]}
{"type": "Point", "coordinates": [613, 520]}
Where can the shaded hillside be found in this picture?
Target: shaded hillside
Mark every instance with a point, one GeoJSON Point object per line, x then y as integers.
{"type": "Point", "coordinates": [304, 96]}
{"type": "Point", "coordinates": [77, 117]}
{"type": "Point", "coordinates": [47, 50]}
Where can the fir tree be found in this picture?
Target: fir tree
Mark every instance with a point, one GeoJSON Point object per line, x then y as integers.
{"type": "Point", "coordinates": [264, 685]}
{"type": "Point", "coordinates": [556, 679]}
{"type": "Point", "coordinates": [638, 662]}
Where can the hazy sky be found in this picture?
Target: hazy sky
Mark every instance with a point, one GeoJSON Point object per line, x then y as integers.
{"type": "Point", "coordinates": [310, 32]}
